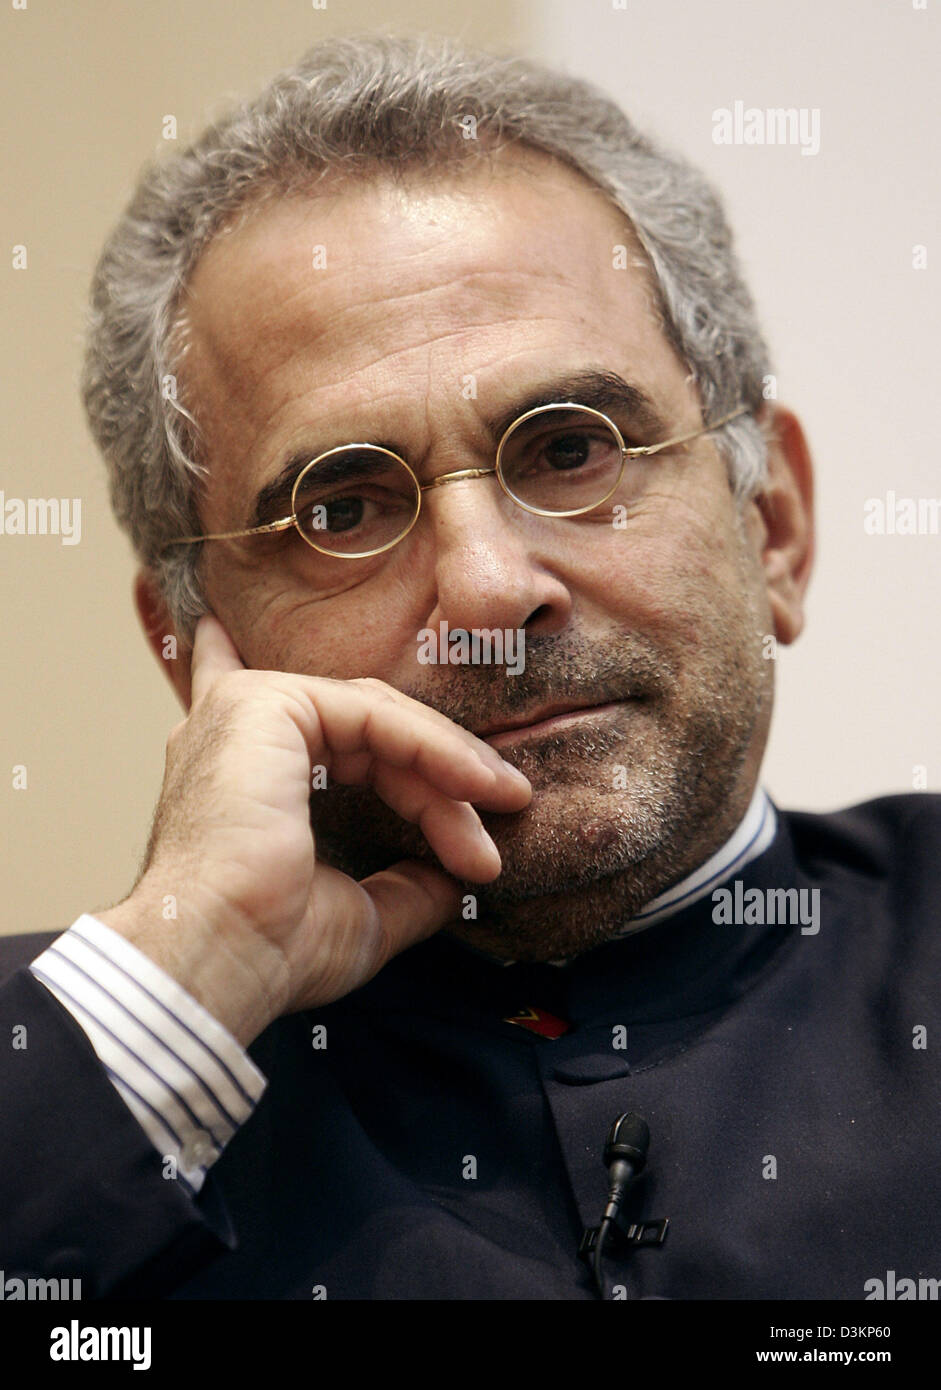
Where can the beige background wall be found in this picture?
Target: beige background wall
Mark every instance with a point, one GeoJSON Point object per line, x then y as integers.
{"type": "Point", "coordinates": [826, 241]}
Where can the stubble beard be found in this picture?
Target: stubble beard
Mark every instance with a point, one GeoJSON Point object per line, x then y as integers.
{"type": "Point", "coordinates": [624, 804]}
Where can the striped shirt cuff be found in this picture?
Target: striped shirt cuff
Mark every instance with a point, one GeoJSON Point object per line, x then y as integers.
{"type": "Point", "coordinates": [186, 1080]}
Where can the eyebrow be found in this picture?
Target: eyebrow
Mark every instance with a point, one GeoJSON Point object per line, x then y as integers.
{"type": "Point", "coordinates": [604, 391]}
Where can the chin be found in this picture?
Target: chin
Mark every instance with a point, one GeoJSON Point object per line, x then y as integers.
{"type": "Point", "coordinates": [556, 926]}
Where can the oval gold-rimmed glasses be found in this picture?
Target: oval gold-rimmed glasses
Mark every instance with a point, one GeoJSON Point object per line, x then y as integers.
{"type": "Point", "coordinates": [359, 500]}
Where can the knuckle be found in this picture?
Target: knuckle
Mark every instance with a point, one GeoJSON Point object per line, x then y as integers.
{"type": "Point", "coordinates": [378, 945]}
{"type": "Point", "coordinates": [374, 684]}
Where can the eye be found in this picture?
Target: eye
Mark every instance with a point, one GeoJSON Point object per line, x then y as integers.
{"type": "Point", "coordinates": [356, 501]}
{"type": "Point", "coordinates": [572, 449]}
{"type": "Point", "coordinates": [334, 514]}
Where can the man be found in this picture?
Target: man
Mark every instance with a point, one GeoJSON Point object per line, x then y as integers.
{"type": "Point", "coordinates": [422, 360]}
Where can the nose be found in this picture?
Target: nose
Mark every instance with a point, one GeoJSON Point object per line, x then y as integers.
{"type": "Point", "coordinates": [494, 563]}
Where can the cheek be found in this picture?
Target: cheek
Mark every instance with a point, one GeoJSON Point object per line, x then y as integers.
{"type": "Point", "coordinates": [663, 580]}
{"type": "Point", "coordinates": [334, 639]}
{"type": "Point", "coordinates": [368, 629]}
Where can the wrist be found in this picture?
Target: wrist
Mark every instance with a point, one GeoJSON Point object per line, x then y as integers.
{"type": "Point", "coordinates": [230, 970]}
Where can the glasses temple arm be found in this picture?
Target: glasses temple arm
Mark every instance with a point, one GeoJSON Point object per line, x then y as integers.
{"type": "Point", "coordinates": [643, 449]}
{"type": "Point", "coordinates": [281, 525]}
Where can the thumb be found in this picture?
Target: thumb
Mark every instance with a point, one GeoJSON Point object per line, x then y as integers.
{"type": "Point", "coordinates": [213, 655]}
{"type": "Point", "coordinates": [413, 901]}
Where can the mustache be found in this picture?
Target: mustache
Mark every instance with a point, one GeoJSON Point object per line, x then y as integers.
{"type": "Point", "coordinates": [574, 667]}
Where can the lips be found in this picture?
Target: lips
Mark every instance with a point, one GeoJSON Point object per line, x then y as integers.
{"type": "Point", "coordinates": [547, 717]}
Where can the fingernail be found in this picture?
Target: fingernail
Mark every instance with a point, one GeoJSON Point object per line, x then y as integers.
{"type": "Point", "coordinates": [486, 839]}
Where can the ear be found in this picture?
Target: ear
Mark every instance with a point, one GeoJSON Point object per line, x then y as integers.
{"type": "Point", "coordinates": [785, 507]}
{"type": "Point", "coordinates": [171, 651]}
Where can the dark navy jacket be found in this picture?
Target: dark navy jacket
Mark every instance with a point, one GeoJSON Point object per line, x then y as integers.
{"type": "Point", "coordinates": [434, 1150]}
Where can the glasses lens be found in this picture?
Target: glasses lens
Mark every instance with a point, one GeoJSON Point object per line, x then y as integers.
{"type": "Point", "coordinates": [355, 501]}
{"type": "Point", "coordinates": [561, 460]}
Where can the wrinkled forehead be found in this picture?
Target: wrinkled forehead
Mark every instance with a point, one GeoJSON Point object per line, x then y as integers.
{"type": "Point", "coordinates": [513, 209]}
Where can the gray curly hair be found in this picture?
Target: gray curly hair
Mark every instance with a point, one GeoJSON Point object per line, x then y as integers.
{"type": "Point", "coordinates": [352, 106]}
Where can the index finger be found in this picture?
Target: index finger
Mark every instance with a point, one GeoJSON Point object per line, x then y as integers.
{"type": "Point", "coordinates": [213, 655]}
